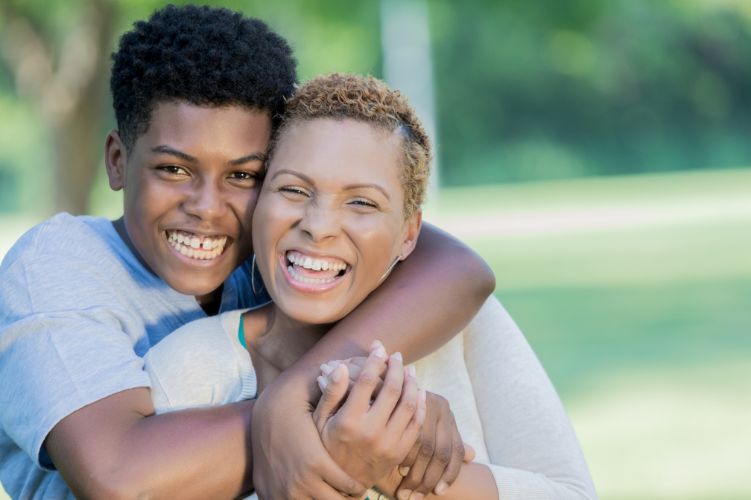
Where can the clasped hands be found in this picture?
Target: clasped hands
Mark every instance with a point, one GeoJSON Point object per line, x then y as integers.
{"type": "Point", "coordinates": [373, 426]}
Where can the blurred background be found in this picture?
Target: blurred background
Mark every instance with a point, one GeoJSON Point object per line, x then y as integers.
{"type": "Point", "coordinates": [595, 152]}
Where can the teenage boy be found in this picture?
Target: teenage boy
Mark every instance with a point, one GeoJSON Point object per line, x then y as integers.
{"type": "Point", "coordinates": [195, 93]}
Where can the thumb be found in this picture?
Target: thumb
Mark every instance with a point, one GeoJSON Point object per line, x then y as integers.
{"type": "Point", "coordinates": [333, 388]}
{"type": "Point", "coordinates": [469, 453]}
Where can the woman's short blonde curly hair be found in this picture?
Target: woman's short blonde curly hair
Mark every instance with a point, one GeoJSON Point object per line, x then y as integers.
{"type": "Point", "coordinates": [369, 100]}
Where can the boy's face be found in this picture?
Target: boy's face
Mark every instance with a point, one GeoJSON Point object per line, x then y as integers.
{"type": "Point", "coordinates": [191, 182]}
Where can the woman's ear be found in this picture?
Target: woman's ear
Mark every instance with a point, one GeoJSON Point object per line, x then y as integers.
{"type": "Point", "coordinates": [414, 223]}
{"type": "Point", "coordinates": [115, 157]}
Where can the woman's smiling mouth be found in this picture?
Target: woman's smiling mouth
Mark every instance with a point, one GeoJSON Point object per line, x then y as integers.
{"type": "Point", "coordinates": [196, 246]}
{"type": "Point", "coordinates": [310, 273]}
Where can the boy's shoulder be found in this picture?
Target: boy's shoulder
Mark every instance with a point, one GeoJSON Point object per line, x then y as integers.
{"type": "Point", "coordinates": [64, 235]}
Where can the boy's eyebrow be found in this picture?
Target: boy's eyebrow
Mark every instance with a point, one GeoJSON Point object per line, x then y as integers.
{"type": "Point", "coordinates": [164, 149]}
{"type": "Point", "coordinates": [347, 187]}
{"type": "Point", "coordinates": [248, 158]}
{"type": "Point", "coordinates": [174, 152]}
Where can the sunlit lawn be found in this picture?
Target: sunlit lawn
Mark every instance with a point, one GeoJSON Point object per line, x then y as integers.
{"type": "Point", "coordinates": [634, 293]}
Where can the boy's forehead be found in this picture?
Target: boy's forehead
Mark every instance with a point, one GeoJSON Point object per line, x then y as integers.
{"type": "Point", "coordinates": [183, 118]}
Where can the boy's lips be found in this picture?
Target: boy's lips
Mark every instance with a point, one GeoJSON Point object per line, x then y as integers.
{"type": "Point", "coordinates": [196, 246]}
{"type": "Point", "coordinates": [313, 273]}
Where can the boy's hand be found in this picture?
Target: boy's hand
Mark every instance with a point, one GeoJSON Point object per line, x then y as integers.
{"type": "Point", "coordinates": [435, 460]}
{"type": "Point", "coordinates": [370, 434]}
{"type": "Point", "coordinates": [289, 460]}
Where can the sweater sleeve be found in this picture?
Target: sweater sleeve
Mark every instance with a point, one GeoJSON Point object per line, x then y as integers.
{"type": "Point", "coordinates": [533, 450]}
{"type": "Point", "coordinates": [200, 364]}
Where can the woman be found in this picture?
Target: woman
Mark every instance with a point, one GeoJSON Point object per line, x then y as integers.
{"type": "Point", "coordinates": [341, 206]}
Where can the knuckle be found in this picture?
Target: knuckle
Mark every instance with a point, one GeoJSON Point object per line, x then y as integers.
{"type": "Point", "coordinates": [426, 449]}
{"type": "Point", "coordinates": [368, 378]}
{"type": "Point", "coordinates": [392, 388]}
{"type": "Point", "coordinates": [443, 455]}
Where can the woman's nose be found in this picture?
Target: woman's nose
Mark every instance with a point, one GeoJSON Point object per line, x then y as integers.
{"type": "Point", "coordinates": [320, 220]}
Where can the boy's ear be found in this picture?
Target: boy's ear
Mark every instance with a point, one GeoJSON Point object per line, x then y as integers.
{"type": "Point", "coordinates": [115, 157]}
{"type": "Point", "coordinates": [414, 223]}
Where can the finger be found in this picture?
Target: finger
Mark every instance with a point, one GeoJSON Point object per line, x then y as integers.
{"type": "Point", "coordinates": [333, 388]}
{"type": "Point", "coordinates": [338, 482]}
{"type": "Point", "coordinates": [444, 454]}
{"type": "Point", "coordinates": [459, 455]}
{"type": "Point", "coordinates": [425, 448]}
{"type": "Point", "coordinates": [409, 437]}
{"type": "Point", "coordinates": [391, 392]}
{"type": "Point", "coordinates": [404, 413]}
{"type": "Point", "coordinates": [361, 393]}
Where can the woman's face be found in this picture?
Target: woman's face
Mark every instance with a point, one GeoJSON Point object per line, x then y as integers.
{"type": "Point", "coordinates": [329, 220]}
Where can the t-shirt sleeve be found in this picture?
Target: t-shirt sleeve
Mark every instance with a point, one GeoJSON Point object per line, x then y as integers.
{"type": "Point", "coordinates": [62, 346]}
{"type": "Point", "coordinates": [534, 453]}
{"type": "Point", "coordinates": [199, 364]}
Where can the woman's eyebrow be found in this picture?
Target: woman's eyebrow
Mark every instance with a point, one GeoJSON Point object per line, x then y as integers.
{"type": "Point", "coordinates": [369, 186]}
{"type": "Point", "coordinates": [292, 172]}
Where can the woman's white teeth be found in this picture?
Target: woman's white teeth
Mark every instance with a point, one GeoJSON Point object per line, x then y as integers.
{"type": "Point", "coordinates": [315, 264]}
{"type": "Point", "coordinates": [195, 246]}
{"type": "Point", "coordinates": [305, 279]}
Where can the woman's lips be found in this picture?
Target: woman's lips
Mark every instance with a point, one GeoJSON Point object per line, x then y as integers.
{"type": "Point", "coordinates": [312, 273]}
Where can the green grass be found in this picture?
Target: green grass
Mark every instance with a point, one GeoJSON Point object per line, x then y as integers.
{"type": "Point", "coordinates": [634, 293]}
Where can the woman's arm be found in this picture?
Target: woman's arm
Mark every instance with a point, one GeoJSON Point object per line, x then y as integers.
{"type": "Point", "coordinates": [424, 302]}
{"type": "Point", "coordinates": [531, 444]}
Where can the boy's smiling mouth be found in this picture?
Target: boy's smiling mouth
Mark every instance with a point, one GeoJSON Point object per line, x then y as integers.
{"type": "Point", "coordinates": [196, 246]}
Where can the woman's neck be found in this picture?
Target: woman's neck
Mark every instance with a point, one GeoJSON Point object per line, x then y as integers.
{"type": "Point", "coordinates": [276, 340]}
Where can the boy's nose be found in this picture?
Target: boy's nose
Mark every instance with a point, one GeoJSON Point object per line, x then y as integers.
{"type": "Point", "coordinates": [205, 202]}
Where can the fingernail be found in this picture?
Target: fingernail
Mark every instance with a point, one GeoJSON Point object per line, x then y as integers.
{"type": "Point", "coordinates": [403, 494]}
{"type": "Point", "coordinates": [403, 470]}
{"type": "Point", "coordinates": [380, 351]}
{"type": "Point", "coordinates": [412, 371]}
{"type": "Point", "coordinates": [375, 345]}
{"type": "Point", "coordinates": [322, 383]}
{"type": "Point", "coordinates": [441, 488]}
{"type": "Point", "coordinates": [326, 368]}
{"type": "Point", "coordinates": [336, 376]}
{"type": "Point", "coordinates": [417, 496]}
{"type": "Point", "coordinates": [398, 356]}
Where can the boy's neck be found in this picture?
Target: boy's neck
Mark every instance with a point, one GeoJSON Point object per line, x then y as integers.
{"type": "Point", "coordinates": [212, 302]}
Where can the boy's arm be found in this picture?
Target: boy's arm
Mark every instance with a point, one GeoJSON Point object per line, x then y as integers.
{"type": "Point", "coordinates": [426, 300]}
{"type": "Point", "coordinates": [117, 448]}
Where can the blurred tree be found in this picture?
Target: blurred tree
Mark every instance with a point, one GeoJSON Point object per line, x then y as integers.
{"type": "Point", "coordinates": [56, 53]}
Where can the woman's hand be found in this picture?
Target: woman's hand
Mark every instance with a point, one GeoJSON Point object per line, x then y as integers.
{"type": "Point", "coordinates": [435, 460]}
{"type": "Point", "coordinates": [289, 460]}
{"type": "Point", "coordinates": [368, 432]}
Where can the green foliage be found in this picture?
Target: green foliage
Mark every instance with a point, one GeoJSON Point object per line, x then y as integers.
{"type": "Point", "coordinates": [535, 90]}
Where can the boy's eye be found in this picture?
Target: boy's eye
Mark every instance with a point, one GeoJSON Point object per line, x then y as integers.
{"type": "Point", "coordinates": [245, 176]}
{"type": "Point", "coordinates": [172, 170]}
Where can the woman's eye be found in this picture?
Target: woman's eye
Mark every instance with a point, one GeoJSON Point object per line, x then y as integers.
{"type": "Point", "coordinates": [363, 202]}
{"type": "Point", "coordinates": [294, 191]}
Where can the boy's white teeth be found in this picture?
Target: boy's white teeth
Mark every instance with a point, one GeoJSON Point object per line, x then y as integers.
{"type": "Point", "coordinates": [196, 246]}
{"type": "Point", "coordinates": [314, 264]}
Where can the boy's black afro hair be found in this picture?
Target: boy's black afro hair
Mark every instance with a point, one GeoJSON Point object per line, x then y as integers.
{"type": "Point", "coordinates": [202, 55]}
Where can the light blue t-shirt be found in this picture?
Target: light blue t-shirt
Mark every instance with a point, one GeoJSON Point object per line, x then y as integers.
{"type": "Point", "coordinates": [77, 313]}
